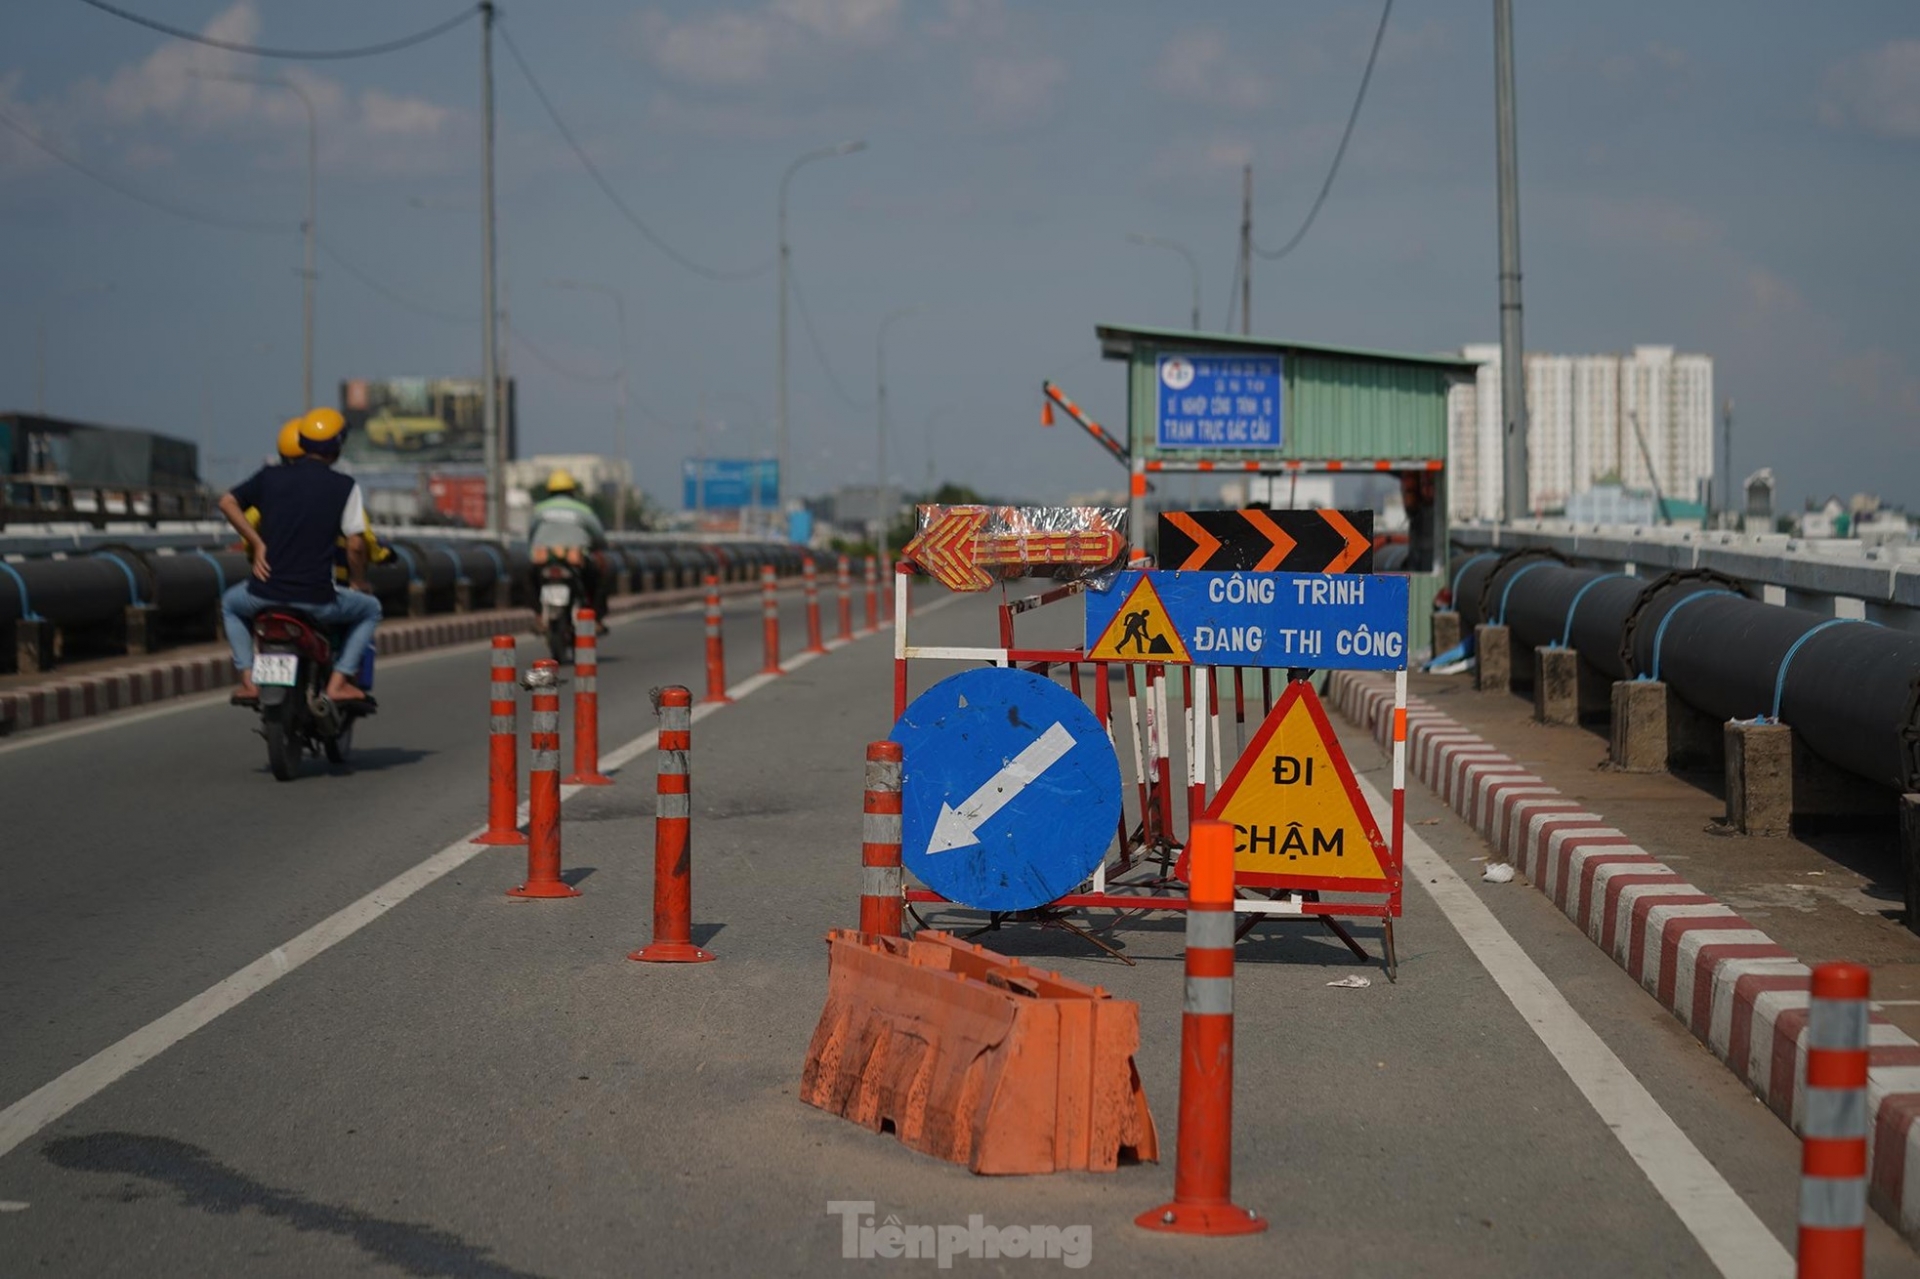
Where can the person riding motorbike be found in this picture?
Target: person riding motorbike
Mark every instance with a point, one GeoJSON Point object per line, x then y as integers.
{"type": "Point", "coordinates": [305, 506]}
{"type": "Point", "coordinates": [378, 552]}
{"type": "Point", "coordinates": [564, 527]}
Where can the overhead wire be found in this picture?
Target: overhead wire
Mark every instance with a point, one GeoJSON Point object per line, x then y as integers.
{"type": "Point", "coordinates": [1340, 153]}
{"type": "Point", "coordinates": [820, 351]}
{"type": "Point", "coordinates": [141, 197]}
{"type": "Point", "coordinates": [391, 294]}
{"type": "Point", "coordinates": [606, 188]}
{"type": "Point", "coordinates": [296, 55]}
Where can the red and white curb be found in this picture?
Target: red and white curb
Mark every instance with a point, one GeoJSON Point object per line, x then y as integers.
{"type": "Point", "coordinates": [1744, 996]}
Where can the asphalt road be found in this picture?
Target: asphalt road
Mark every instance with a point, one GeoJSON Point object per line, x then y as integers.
{"type": "Point", "coordinates": [476, 1086]}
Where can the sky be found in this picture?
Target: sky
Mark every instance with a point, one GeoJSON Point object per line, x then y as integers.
{"type": "Point", "coordinates": [1738, 179]}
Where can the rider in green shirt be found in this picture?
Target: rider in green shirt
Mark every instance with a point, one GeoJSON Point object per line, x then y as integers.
{"type": "Point", "coordinates": [564, 527]}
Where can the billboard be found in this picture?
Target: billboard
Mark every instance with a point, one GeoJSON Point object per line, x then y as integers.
{"type": "Point", "coordinates": [408, 422]}
{"type": "Point", "coordinates": [729, 483]}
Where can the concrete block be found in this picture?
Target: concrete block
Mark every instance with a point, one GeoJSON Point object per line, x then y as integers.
{"type": "Point", "coordinates": [1446, 631]}
{"type": "Point", "coordinates": [1494, 644]}
{"type": "Point", "coordinates": [463, 595]}
{"type": "Point", "coordinates": [623, 582]}
{"type": "Point", "coordinates": [503, 593]}
{"type": "Point", "coordinates": [142, 628]}
{"type": "Point", "coordinates": [1910, 856]}
{"type": "Point", "coordinates": [1556, 685]}
{"type": "Point", "coordinates": [1759, 778]}
{"type": "Point", "coordinates": [416, 599]}
{"type": "Point", "coordinates": [36, 647]}
{"type": "Point", "coordinates": [1637, 742]}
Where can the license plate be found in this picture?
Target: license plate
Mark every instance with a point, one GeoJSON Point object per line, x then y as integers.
{"type": "Point", "coordinates": [556, 595]}
{"type": "Point", "coordinates": [278, 669]}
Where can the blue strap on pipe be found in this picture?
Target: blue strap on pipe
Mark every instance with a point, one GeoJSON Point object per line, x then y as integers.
{"type": "Point", "coordinates": [1566, 637]}
{"type": "Point", "coordinates": [1780, 679]}
{"type": "Point", "coordinates": [1471, 561]}
{"type": "Point", "coordinates": [413, 570]}
{"type": "Point", "coordinates": [459, 575]}
{"type": "Point", "coordinates": [1508, 591]}
{"type": "Point", "coordinates": [1661, 634]}
{"type": "Point", "coordinates": [133, 583]}
{"type": "Point", "coordinates": [499, 560]}
{"type": "Point", "coordinates": [219, 574]}
{"type": "Point", "coordinates": [26, 606]}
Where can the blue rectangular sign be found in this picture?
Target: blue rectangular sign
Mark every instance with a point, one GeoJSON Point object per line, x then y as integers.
{"type": "Point", "coordinates": [1218, 402]}
{"type": "Point", "coordinates": [1325, 621]}
{"type": "Point", "coordinates": [728, 483]}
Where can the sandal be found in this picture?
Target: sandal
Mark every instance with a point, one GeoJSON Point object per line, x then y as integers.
{"type": "Point", "coordinates": [241, 699]}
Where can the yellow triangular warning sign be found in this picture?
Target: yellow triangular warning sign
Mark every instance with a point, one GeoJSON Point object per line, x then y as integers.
{"type": "Point", "coordinates": [1141, 631]}
{"type": "Point", "coordinates": [1298, 816]}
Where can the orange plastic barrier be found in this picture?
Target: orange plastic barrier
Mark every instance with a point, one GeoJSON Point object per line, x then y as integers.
{"type": "Point", "coordinates": [976, 1058]}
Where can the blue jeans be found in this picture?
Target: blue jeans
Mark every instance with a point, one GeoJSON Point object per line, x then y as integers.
{"type": "Point", "coordinates": [355, 610]}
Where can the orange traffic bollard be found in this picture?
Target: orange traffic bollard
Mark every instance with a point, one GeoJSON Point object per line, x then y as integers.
{"type": "Point", "coordinates": [716, 646]}
{"type": "Point", "coordinates": [846, 601]}
{"type": "Point", "coordinates": [503, 751]}
{"type": "Point", "coordinates": [873, 595]}
{"type": "Point", "coordinates": [769, 622]}
{"type": "Point", "coordinates": [812, 579]}
{"type": "Point", "coordinates": [1833, 1148]}
{"type": "Point", "coordinates": [586, 701]}
{"type": "Point", "coordinates": [543, 788]}
{"type": "Point", "coordinates": [1203, 1167]}
{"type": "Point", "coordinates": [673, 839]}
{"type": "Point", "coordinates": [880, 880]}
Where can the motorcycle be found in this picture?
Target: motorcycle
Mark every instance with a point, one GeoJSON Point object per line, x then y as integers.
{"type": "Point", "coordinates": [561, 592]}
{"type": "Point", "coordinates": [292, 662]}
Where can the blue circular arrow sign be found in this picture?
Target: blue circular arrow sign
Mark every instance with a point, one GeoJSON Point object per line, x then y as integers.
{"type": "Point", "coordinates": [1010, 792]}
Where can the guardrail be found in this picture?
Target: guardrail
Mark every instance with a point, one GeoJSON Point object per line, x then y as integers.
{"type": "Point", "coordinates": [1837, 577]}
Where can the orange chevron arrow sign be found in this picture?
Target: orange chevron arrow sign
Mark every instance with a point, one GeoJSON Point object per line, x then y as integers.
{"type": "Point", "coordinates": [1262, 541]}
{"type": "Point", "coordinates": [966, 548]}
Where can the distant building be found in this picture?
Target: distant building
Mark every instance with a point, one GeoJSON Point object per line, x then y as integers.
{"type": "Point", "coordinates": [1591, 418]}
{"type": "Point", "coordinates": [1759, 511]}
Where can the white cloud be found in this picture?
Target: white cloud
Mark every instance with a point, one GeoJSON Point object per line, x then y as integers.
{"type": "Point", "coordinates": [389, 116]}
{"type": "Point", "coordinates": [1199, 66]}
{"type": "Point", "coordinates": [743, 47]}
{"type": "Point", "coordinates": [1015, 89]}
{"type": "Point", "coordinates": [1878, 91]}
{"type": "Point", "coordinates": [1651, 219]}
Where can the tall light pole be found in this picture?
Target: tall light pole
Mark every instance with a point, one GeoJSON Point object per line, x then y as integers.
{"type": "Point", "coordinates": [490, 424]}
{"type": "Point", "coordinates": [620, 406]}
{"type": "Point", "coordinates": [1193, 263]}
{"type": "Point", "coordinates": [880, 400]}
{"type": "Point", "coordinates": [310, 227]}
{"type": "Point", "coordinates": [780, 408]}
{"type": "Point", "coordinates": [1513, 356]}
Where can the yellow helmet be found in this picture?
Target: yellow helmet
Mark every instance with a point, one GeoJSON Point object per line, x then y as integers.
{"type": "Point", "coordinates": [290, 437]}
{"type": "Point", "coordinates": [561, 481]}
{"type": "Point", "coordinates": [320, 431]}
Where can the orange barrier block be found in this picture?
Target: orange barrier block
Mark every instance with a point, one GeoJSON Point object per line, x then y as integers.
{"type": "Point", "coordinates": [976, 1058]}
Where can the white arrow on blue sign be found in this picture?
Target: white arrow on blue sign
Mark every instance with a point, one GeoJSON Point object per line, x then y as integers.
{"type": "Point", "coordinates": [1010, 793]}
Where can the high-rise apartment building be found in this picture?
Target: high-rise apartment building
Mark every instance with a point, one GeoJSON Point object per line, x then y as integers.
{"type": "Point", "coordinates": [1644, 419]}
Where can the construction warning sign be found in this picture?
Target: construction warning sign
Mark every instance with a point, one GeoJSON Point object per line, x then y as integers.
{"type": "Point", "coordinates": [1140, 631]}
{"type": "Point", "coordinates": [1299, 820]}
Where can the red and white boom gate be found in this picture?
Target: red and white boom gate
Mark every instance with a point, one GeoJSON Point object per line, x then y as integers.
{"type": "Point", "coordinates": [1142, 874]}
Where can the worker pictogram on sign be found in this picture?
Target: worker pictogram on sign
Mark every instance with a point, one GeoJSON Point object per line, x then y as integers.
{"type": "Point", "coordinates": [1141, 631]}
{"type": "Point", "coordinates": [1299, 820]}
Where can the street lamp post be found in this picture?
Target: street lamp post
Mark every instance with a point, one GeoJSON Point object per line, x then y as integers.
{"type": "Point", "coordinates": [880, 399]}
{"type": "Point", "coordinates": [780, 408]}
{"type": "Point", "coordinates": [620, 405]}
{"type": "Point", "coordinates": [309, 227]}
{"type": "Point", "coordinates": [1193, 263]}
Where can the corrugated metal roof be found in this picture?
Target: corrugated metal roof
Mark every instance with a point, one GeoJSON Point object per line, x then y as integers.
{"type": "Point", "coordinates": [1116, 343]}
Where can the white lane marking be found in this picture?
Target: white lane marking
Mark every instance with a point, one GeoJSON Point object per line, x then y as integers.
{"type": "Point", "coordinates": [1728, 1231]}
{"type": "Point", "coordinates": [24, 738]}
{"type": "Point", "coordinates": [51, 1100]}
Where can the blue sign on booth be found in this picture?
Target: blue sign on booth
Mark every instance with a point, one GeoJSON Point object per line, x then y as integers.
{"type": "Point", "coordinates": [1010, 792]}
{"type": "Point", "coordinates": [1327, 621]}
{"type": "Point", "coordinates": [1219, 401]}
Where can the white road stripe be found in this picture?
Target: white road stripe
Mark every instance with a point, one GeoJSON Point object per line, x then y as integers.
{"type": "Point", "coordinates": [21, 1120]}
{"type": "Point", "coordinates": [1733, 1237]}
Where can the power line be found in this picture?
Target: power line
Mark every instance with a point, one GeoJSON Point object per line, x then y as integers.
{"type": "Point", "coordinates": [297, 55]}
{"type": "Point", "coordinates": [1340, 154]}
{"type": "Point", "coordinates": [606, 188]}
{"type": "Point", "coordinates": [138, 196]}
{"type": "Point", "coordinates": [556, 366]}
{"type": "Point", "coordinates": [819, 351]}
{"type": "Point", "coordinates": [392, 295]}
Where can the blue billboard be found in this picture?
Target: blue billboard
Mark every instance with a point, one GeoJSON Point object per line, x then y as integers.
{"type": "Point", "coordinates": [729, 483]}
{"type": "Point", "coordinates": [1218, 402]}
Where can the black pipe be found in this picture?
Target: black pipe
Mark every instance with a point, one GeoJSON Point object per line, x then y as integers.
{"type": "Point", "coordinates": [84, 590]}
